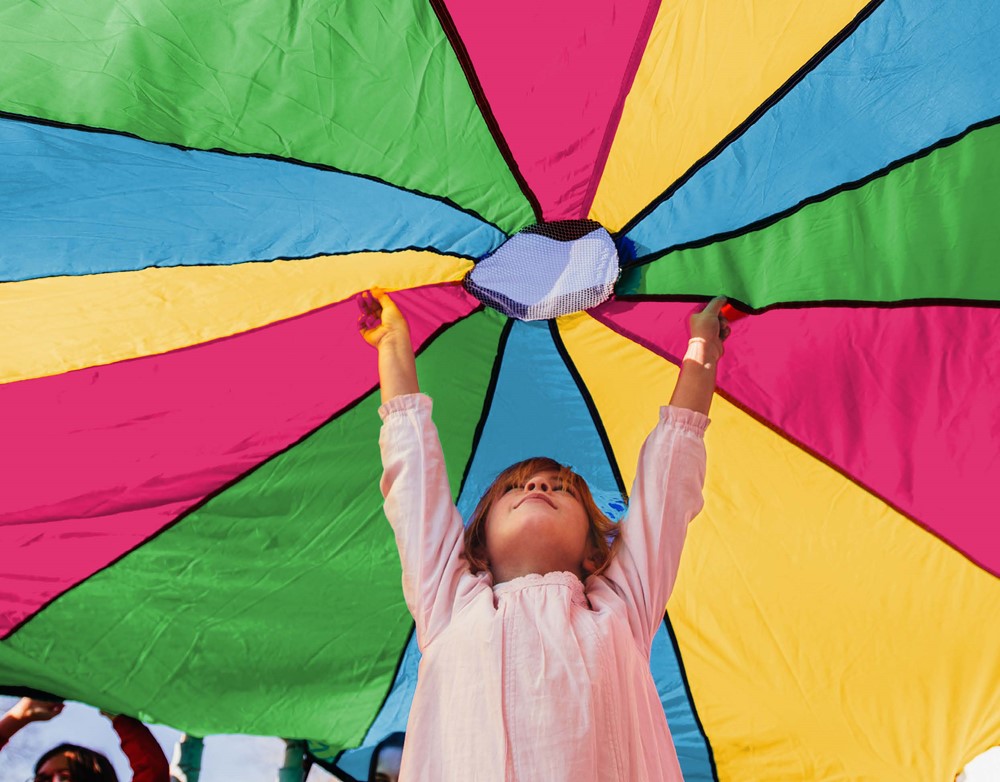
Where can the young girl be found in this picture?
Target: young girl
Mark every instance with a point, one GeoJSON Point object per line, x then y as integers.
{"type": "Point", "coordinates": [73, 763]}
{"type": "Point", "coordinates": [535, 630]}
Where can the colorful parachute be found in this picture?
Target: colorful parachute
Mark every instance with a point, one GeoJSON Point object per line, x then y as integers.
{"type": "Point", "coordinates": [195, 193]}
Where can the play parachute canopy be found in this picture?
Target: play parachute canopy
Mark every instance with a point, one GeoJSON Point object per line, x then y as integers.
{"type": "Point", "coordinates": [195, 193]}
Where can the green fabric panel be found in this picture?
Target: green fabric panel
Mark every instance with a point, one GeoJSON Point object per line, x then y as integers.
{"type": "Point", "coordinates": [926, 230]}
{"type": "Point", "coordinates": [367, 87]}
{"type": "Point", "coordinates": [276, 608]}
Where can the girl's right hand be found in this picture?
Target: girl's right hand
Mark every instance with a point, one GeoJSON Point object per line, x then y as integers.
{"type": "Point", "coordinates": [381, 318]}
{"type": "Point", "coordinates": [711, 327]}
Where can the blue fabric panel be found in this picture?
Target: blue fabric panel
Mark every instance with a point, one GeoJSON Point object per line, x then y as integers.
{"type": "Point", "coordinates": [78, 202]}
{"type": "Point", "coordinates": [689, 742]}
{"type": "Point", "coordinates": [535, 397]}
{"type": "Point", "coordinates": [914, 72]}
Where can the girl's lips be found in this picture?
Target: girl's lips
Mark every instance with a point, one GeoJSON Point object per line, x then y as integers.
{"type": "Point", "coordinates": [544, 498]}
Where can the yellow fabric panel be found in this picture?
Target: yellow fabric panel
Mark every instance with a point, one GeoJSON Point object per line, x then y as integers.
{"type": "Point", "coordinates": [825, 636]}
{"type": "Point", "coordinates": [58, 324]}
{"type": "Point", "coordinates": [707, 66]}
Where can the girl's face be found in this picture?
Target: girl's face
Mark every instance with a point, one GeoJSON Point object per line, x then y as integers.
{"type": "Point", "coordinates": [538, 527]}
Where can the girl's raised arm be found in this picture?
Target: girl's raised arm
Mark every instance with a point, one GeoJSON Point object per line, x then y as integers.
{"type": "Point", "coordinates": [25, 711]}
{"type": "Point", "coordinates": [696, 383]}
{"type": "Point", "coordinates": [384, 328]}
{"type": "Point", "coordinates": [414, 483]}
{"type": "Point", "coordinates": [667, 493]}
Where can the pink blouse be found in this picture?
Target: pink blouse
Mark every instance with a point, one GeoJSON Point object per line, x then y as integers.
{"type": "Point", "coordinates": [542, 678]}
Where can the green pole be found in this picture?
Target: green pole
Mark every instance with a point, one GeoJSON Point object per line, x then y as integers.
{"type": "Point", "coordinates": [186, 766]}
{"type": "Point", "coordinates": [293, 769]}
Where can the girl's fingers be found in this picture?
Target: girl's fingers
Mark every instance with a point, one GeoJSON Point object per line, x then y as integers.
{"type": "Point", "coordinates": [379, 315]}
{"type": "Point", "coordinates": [371, 313]}
{"type": "Point", "coordinates": [381, 296]}
{"type": "Point", "coordinates": [369, 306]}
{"type": "Point", "coordinates": [714, 307]}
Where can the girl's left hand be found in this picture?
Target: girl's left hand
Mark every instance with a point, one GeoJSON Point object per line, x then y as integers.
{"type": "Point", "coordinates": [381, 318]}
{"type": "Point", "coordinates": [711, 326]}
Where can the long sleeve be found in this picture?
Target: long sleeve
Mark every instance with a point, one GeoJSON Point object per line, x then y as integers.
{"type": "Point", "coordinates": [666, 496]}
{"type": "Point", "coordinates": [147, 760]}
{"type": "Point", "coordinates": [419, 507]}
{"type": "Point", "coordinates": [4, 738]}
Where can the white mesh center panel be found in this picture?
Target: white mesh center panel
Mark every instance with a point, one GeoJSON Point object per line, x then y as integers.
{"type": "Point", "coordinates": [548, 270]}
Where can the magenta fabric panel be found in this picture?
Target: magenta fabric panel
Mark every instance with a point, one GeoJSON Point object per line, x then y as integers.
{"type": "Point", "coordinates": [555, 75]}
{"type": "Point", "coordinates": [898, 399]}
{"type": "Point", "coordinates": [98, 460]}
{"type": "Point", "coordinates": [44, 558]}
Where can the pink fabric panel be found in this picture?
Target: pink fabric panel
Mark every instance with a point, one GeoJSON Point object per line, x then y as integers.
{"type": "Point", "coordinates": [555, 75]}
{"type": "Point", "coordinates": [903, 400]}
{"type": "Point", "coordinates": [98, 460]}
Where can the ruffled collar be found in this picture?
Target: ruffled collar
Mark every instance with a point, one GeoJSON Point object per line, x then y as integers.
{"type": "Point", "coordinates": [555, 578]}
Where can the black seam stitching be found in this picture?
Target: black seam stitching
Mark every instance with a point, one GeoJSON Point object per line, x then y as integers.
{"type": "Point", "coordinates": [768, 221]}
{"type": "Point", "coordinates": [818, 304]}
{"type": "Point", "coordinates": [755, 115]}
{"type": "Point", "coordinates": [618, 108]}
{"type": "Point", "coordinates": [810, 451]}
{"type": "Point", "coordinates": [479, 94]}
{"type": "Point", "coordinates": [690, 696]}
{"type": "Point", "coordinates": [292, 258]}
{"type": "Point", "coordinates": [332, 767]}
{"type": "Point", "coordinates": [591, 407]}
{"type": "Point", "coordinates": [487, 402]}
{"type": "Point", "coordinates": [225, 487]}
{"type": "Point", "coordinates": [259, 155]}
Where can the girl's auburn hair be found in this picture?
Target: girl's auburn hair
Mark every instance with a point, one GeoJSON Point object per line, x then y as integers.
{"type": "Point", "coordinates": [83, 764]}
{"type": "Point", "coordinates": [603, 535]}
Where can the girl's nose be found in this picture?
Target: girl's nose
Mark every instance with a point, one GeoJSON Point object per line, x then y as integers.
{"type": "Point", "coordinates": [537, 484]}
